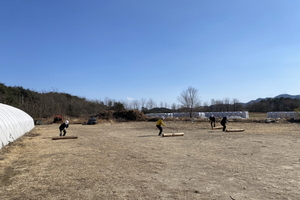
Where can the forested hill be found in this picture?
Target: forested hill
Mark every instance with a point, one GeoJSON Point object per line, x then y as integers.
{"type": "Point", "coordinates": [279, 103]}
{"type": "Point", "coordinates": [287, 96]}
{"type": "Point", "coordinates": [43, 105]}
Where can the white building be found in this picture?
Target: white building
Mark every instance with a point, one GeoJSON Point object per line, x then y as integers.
{"type": "Point", "coordinates": [14, 123]}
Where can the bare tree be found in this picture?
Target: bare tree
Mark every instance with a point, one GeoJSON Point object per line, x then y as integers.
{"type": "Point", "coordinates": [173, 107]}
{"type": "Point", "coordinates": [166, 105]}
{"type": "Point", "coordinates": [205, 104]}
{"type": "Point", "coordinates": [126, 104]}
{"type": "Point", "coordinates": [136, 104]}
{"type": "Point", "coordinates": [236, 105]}
{"type": "Point", "coordinates": [219, 106]}
{"type": "Point", "coordinates": [213, 105]}
{"type": "Point", "coordinates": [150, 103]}
{"type": "Point", "coordinates": [143, 102]}
{"type": "Point", "coordinates": [227, 104]}
{"type": "Point", "coordinates": [161, 104]}
{"type": "Point", "coordinates": [189, 99]}
{"type": "Point", "coordinates": [109, 102]}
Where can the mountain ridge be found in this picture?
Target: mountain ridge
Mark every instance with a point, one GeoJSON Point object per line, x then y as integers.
{"type": "Point", "coordinates": [278, 96]}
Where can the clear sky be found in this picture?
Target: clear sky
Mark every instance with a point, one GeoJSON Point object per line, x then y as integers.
{"type": "Point", "coordinates": [133, 49]}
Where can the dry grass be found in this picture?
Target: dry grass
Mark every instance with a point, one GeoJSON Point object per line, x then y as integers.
{"type": "Point", "coordinates": [258, 115]}
{"type": "Point", "coordinates": [129, 161]}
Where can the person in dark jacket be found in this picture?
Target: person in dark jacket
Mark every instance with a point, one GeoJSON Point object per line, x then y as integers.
{"type": "Point", "coordinates": [223, 123]}
{"type": "Point", "coordinates": [63, 127]}
{"type": "Point", "coordinates": [212, 120]}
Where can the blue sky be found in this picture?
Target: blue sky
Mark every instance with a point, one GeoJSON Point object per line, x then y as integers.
{"type": "Point", "coordinates": [133, 49]}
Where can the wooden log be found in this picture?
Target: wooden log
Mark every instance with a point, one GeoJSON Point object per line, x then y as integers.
{"type": "Point", "coordinates": [172, 134]}
{"type": "Point", "coordinates": [64, 137]}
{"type": "Point", "coordinates": [218, 127]}
{"type": "Point", "coordinates": [235, 130]}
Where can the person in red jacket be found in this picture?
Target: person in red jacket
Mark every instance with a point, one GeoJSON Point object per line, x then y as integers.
{"type": "Point", "coordinates": [63, 127]}
{"type": "Point", "coordinates": [160, 123]}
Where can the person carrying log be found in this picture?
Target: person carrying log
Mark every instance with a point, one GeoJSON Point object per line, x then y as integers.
{"type": "Point", "coordinates": [63, 128]}
{"type": "Point", "coordinates": [212, 120]}
{"type": "Point", "coordinates": [223, 123]}
{"type": "Point", "coordinates": [159, 125]}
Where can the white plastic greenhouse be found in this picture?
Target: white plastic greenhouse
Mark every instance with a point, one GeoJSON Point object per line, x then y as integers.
{"type": "Point", "coordinates": [14, 123]}
{"type": "Point", "coordinates": [283, 115]}
{"type": "Point", "coordinates": [235, 114]}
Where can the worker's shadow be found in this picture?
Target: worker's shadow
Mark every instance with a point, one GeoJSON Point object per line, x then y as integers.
{"type": "Point", "coordinates": [148, 136]}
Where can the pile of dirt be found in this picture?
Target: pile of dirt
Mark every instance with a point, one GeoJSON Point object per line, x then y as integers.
{"type": "Point", "coordinates": [124, 115]}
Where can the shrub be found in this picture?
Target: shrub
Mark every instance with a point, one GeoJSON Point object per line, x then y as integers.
{"type": "Point", "coordinates": [124, 115]}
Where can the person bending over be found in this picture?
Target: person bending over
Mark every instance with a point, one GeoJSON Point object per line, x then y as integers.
{"type": "Point", "coordinates": [212, 120]}
{"type": "Point", "coordinates": [63, 128]}
{"type": "Point", "coordinates": [223, 123]}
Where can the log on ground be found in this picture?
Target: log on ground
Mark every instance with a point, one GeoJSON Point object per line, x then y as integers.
{"type": "Point", "coordinates": [218, 127]}
{"type": "Point", "coordinates": [235, 130]}
{"type": "Point", "coordinates": [64, 137]}
{"type": "Point", "coordinates": [172, 134]}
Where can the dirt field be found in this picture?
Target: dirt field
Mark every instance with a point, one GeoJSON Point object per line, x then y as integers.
{"type": "Point", "coordinates": [129, 161]}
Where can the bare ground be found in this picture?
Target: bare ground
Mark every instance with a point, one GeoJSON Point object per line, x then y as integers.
{"type": "Point", "coordinates": [129, 161]}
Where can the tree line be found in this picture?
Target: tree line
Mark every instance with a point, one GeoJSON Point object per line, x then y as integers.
{"type": "Point", "coordinates": [274, 105]}
{"type": "Point", "coordinates": [47, 104]}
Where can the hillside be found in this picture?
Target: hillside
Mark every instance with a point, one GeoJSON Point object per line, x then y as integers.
{"type": "Point", "coordinates": [278, 96]}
